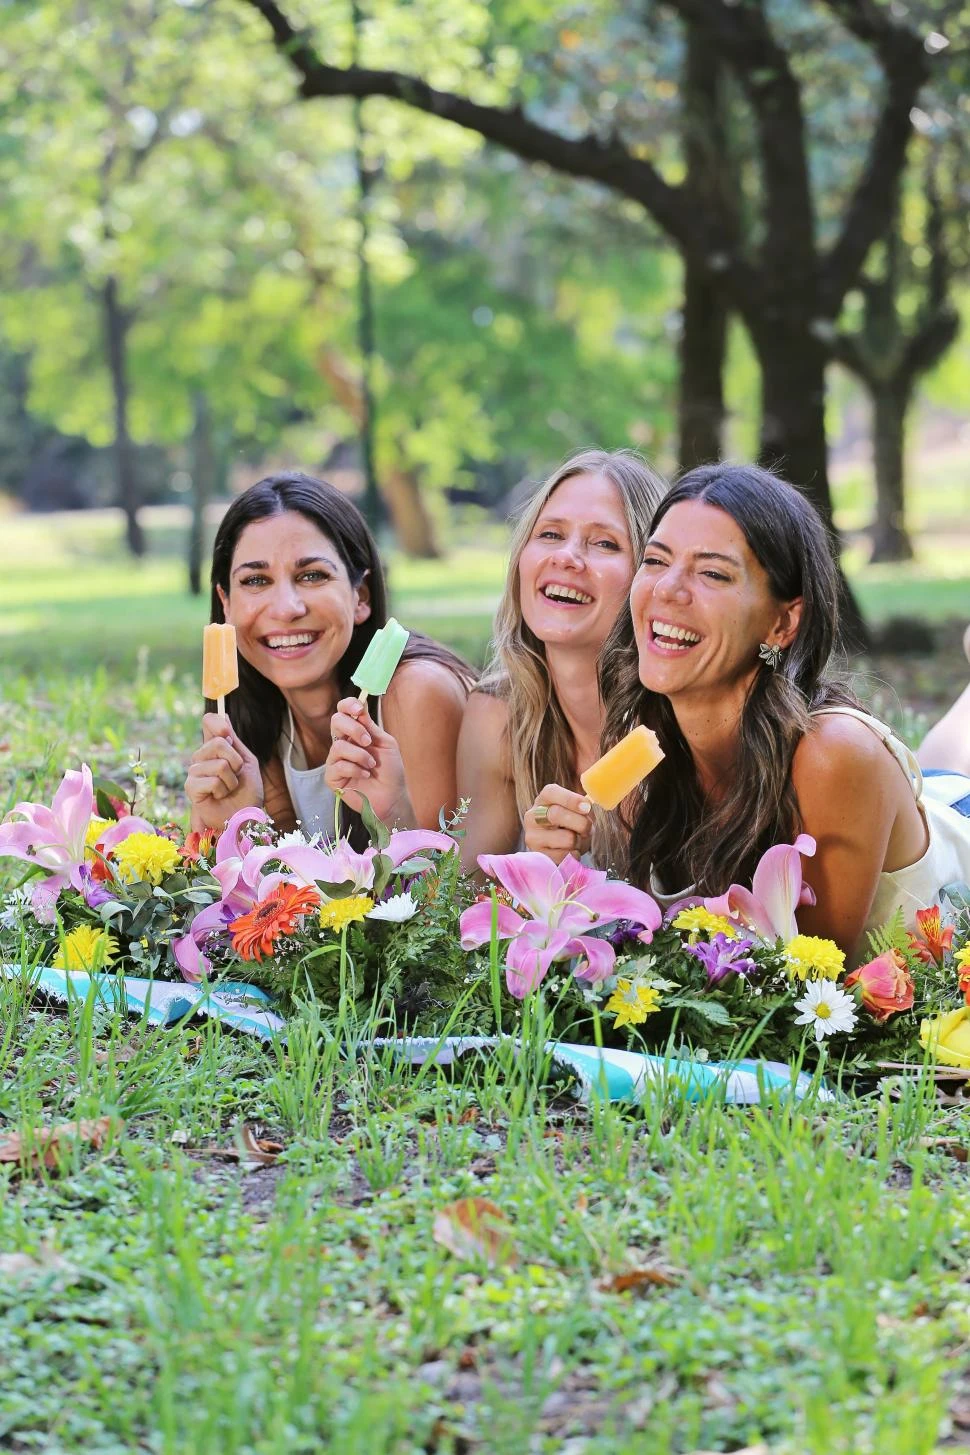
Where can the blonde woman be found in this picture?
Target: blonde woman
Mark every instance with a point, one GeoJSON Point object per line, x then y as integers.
{"type": "Point", "coordinates": [535, 720]}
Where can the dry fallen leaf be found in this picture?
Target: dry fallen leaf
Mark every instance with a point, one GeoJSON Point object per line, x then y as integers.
{"type": "Point", "coordinates": [43, 1146]}
{"type": "Point", "coordinates": [247, 1149]}
{"type": "Point", "coordinates": [637, 1278]}
{"type": "Point", "coordinates": [952, 1145]}
{"type": "Point", "coordinates": [474, 1228]}
{"type": "Point", "coordinates": [114, 1053]}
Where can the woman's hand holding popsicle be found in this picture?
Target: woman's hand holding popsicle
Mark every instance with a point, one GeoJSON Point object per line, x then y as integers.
{"type": "Point", "coordinates": [365, 761]}
{"type": "Point", "coordinates": [558, 823]}
{"type": "Point", "coordinates": [223, 775]}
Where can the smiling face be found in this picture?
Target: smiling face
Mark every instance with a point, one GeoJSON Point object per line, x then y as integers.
{"type": "Point", "coordinates": [576, 567]}
{"type": "Point", "coordinates": [291, 601]}
{"type": "Point", "coordinates": [702, 604]}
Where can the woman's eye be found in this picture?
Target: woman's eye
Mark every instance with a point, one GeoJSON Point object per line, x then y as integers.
{"type": "Point", "coordinates": [716, 576]}
{"type": "Point", "coordinates": [314, 576]}
{"type": "Point", "coordinates": [652, 561]}
{"type": "Point", "coordinates": [608, 545]}
{"type": "Point", "coordinates": [254, 580]}
{"type": "Point", "coordinates": [549, 535]}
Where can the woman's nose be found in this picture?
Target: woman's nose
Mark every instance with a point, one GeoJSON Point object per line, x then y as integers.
{"type": "Point", "coordinates": [670, 585]}
{"type": "Point", "coordinates": [569, 553]}
{"type": "Point", "coordinates": [288, 600]}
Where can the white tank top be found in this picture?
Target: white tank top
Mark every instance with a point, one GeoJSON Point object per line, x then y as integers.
{"type": "Point", "coordinates": [313, 802]}
{"type": "Point", "coordinates": [946, 858]}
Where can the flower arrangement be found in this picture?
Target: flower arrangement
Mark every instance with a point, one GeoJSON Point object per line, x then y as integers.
{"type": "Point", "coordinates": [396, 931]}
{"type": "Point", "coordinates": [730, 973]}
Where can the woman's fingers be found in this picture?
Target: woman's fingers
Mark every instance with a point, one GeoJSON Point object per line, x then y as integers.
{"type": "Point", "coordinates": [354, 759]}
{"type": "Point", "coordinates": [559, 808]}
{"type": "Point", "coordinates": [353, 723]}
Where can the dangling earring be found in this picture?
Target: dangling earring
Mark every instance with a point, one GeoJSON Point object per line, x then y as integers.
{"type": "Point", "coordinates": [771, 655]}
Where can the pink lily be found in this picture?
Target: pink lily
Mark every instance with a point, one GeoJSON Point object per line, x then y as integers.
{"type": "Point", "coordinates": [238, 868]}
{"type": "Point", "coordinates": [564, 903]}
{"type": "Point", "coordinates": [340, 864]}
{"type": "Point", "coordinates": [55, 838]}
{"type": "Point", "coordinates": [777, 890]}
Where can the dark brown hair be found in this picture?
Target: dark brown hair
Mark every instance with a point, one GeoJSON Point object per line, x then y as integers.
{"type": "Point", "coordinates": [684, 838]}
{"type": "Point", "coordinates": [257, 709]}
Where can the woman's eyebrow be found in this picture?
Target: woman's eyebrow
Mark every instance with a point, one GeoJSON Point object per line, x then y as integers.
{"type": "Point", "coordinates": [698, 555]}
{"type": "Point", "coordinates": [303, 561]}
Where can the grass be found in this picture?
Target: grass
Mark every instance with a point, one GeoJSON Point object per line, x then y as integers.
{"type": "Point", "coordinates": [798, 1275]}
{"type": "Point", "coordinates": [804, 1270]}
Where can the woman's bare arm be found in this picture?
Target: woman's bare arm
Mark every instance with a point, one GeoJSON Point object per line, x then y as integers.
{"type": "Point", "coordinates": [485, 780]}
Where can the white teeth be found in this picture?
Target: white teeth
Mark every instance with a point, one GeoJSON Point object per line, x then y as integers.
{"type": "Point", "coordinates": [674, 633]}
{"type": "Point", "coordinates": [566, 593]}
{"type": "Point", "coordinates": [297, 639]}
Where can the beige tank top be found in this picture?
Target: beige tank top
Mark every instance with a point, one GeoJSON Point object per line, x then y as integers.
{"type": "Point", "coordinates": [945, 859]}
{"type": "Point", "coordinates": [313, 802]}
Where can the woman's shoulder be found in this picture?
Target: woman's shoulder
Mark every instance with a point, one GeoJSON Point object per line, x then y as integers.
{"type": "Point", "coordinates": [423, 680]}
{"type": "Point", "coordinates": [840, 753]}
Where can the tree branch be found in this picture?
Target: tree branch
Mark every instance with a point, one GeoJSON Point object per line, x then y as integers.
{"type": "Point", "coordinates": [608, 162]}
{"type": "Point", "coordinates": [869, 213]}
{"type": "Point", "coordinates": [742, 35]}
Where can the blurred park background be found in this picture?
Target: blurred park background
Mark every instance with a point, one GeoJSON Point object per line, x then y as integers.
{"type": "Point", "coordinates": [426, 248]}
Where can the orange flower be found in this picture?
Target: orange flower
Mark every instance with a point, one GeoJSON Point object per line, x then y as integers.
{"type": "Point", "coordinates": [964, 983]}
{"type": "Point", "coordinates": [254, 934]}
{"type": "Point", "coordinates": [885, 985]}
{"type": "Point", "coordinates": [198, 845]}
{"type": "Point", "coordinates": [931, 941]}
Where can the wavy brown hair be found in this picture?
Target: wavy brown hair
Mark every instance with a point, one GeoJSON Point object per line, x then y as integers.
{"type": "Point", "coordinates": [676, 832]}
{"type": "Point", "coordinates": [541, 745]}
{"type": "Point", "coordinates": [257, 708]}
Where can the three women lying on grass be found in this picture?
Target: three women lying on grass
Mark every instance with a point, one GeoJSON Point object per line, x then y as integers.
{"type": "Point", "coordinates": [715, 630]}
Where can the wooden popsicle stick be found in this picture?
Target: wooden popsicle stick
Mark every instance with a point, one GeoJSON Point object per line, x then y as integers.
{"type": "Point", "coordinates": [221, 706]}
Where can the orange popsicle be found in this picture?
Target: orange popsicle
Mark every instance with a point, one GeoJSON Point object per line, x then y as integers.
{"type": "Point", "coordinates": [609, 780]}
{"type": "Point", "coordinates": [220, 668]}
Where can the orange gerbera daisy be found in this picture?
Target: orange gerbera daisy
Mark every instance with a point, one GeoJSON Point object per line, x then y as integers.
{"type": "Point", "coordinates": [254, 934]}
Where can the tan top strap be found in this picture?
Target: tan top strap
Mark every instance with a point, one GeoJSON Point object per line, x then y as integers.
{"type": "Point", "coordinates": [904, 756]}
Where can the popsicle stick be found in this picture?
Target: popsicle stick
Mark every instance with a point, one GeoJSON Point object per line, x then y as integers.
{"type": "Point", "coordinates": [221, 706]}
{"type": "Point", "coordinates": [362, 695]}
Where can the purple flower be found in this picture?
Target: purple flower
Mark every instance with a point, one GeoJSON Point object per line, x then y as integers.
{"type": "Point", "coordinates": [94, 892]}
{"type": "Point", "coordinates": [724, 956]}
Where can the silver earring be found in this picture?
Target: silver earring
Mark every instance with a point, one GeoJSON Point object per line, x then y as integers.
{"type": "Point", "coordinates": [771, 655]}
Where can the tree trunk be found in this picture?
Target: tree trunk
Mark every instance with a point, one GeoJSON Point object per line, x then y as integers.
{"type": "Point", "coordinates": [890, 403]}
{"type": "Point", "coordinates": [116, 323]}
{"type": "Point", "coordinates": [203, 471]}
{"type": "Point", "coordinates": [410, 519]}
{"type": "Point", "coordinates": [793, 439]}
{"type": "Point", "coordinates": [412, 524]}
{"type": "Point", "coordinates": [703, 334]}
{"type": "Point", "coordinates": [701, 353]}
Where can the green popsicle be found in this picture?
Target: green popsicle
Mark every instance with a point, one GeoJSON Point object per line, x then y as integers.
{"type": "Point", "coordinates": [376, 666]}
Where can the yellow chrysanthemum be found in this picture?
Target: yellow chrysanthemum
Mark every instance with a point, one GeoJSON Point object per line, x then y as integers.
{"type": "Point", "coordinates": [148, 857]}
{"type": "Point", "coordinates": [632, 1003]}
{"type": "Point", "coordinates": [339, 913]}
{"type": "Point", "coordinates": [699, 920]}
{"type": "Point", "coordinates": [95, 829]}
{"type": "Point", "coordinates": [811, 956]}
{"type": "Point", "coordinates": [962, 958]}
{"type": "Point", "coordinates": [86, 949]}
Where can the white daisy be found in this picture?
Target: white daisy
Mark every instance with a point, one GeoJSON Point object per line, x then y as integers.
{"type": "Point", "coordinates": [396, 909]}
{"type": "Point", "coordinates": [295, 837]}
{"type": "Point", "coordinates": [826, 1008]}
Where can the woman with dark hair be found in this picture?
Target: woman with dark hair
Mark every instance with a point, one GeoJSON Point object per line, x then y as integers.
{"type": "Point", "coordinates": [296, 571]}
{"type": "Point", "coordinates": [723, 649]}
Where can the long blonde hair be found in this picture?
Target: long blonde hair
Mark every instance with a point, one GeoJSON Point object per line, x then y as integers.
{"type": "Point", "coordinates": [540, 743]}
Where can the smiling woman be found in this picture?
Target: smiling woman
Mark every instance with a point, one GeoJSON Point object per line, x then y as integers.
{"type": "Point", "coordinates": [296, 572]}
{"type": "Point", "coordinates": [724, 651]}
{"type": "Point", "coordinates": [534, 723]}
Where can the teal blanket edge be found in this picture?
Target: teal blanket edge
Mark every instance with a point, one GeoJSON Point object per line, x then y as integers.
{"type": "Point", "coordinates": [610, 1074]}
